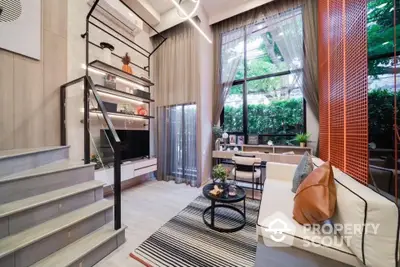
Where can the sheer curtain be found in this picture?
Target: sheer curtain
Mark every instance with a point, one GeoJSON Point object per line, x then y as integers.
{"type": "Point", "coordinates": [268, 13]}
{"type": "Point", "coordinates": [232, 55]}
{"type": "Point", "coordinates": [282, 36]}
{"type": "Point", "coordinates": [177, 146]}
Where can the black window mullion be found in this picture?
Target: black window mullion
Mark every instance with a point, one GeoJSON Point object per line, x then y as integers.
{"type": "Point", "coordinates": [245, 108]}
{"type": "Point", "coordinates": [244, 83]}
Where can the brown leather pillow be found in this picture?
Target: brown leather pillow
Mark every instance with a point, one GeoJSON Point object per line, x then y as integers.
{"type": "Point", "coordinates": [315, 199]}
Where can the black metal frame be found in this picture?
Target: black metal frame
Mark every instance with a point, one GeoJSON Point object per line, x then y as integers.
{"type": "Point", "coordinates": [244, 81]}
{"type": "Point", "coordinates": [224, 202]}
{"type": "Point", "coordinates": [89, 87]}
{"type": "Point", "coordinates": [116, 142]}
{"type": "Point", "coordinates": [254, 166]}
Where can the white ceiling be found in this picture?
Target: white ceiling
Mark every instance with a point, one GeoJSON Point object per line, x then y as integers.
{"type": "Point", "coordinates": [216, 9]}
{"type": "Point", "coordinates": [211, 6]}
{"type": "Point", "coordinates": [161, 6]}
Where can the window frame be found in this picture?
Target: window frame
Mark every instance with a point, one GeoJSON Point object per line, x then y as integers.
{"type": "Point", "coordinates": [244, 82]}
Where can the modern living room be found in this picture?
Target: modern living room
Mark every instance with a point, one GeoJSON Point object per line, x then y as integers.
{"type": "Point", "coordinates": [199, 133]}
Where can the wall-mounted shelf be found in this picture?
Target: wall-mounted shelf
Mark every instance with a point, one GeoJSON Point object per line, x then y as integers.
{"type": "Point", "coordinates": [99, 65]}
{"type": "Point", "coordinates": [123, 115]}
{"type": "Point", "coordinates": [121, 94]}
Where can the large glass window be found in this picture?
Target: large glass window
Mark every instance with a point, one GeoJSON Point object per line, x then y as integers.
{"type": "Point", "coordinates": [264, 64]}
{"type": "Point", "coordinates": [383, 66]}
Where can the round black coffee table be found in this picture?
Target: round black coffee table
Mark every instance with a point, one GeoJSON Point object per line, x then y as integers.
{"type": "Point", "coordinates": [223, 198]}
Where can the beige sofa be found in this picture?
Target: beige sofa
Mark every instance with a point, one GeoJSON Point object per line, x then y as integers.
{"type": "Point", "coordinates": [371, 236]}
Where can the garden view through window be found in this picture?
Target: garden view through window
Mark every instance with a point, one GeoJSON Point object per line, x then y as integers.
{"type": "Point", "coordinates": [262, 64]}
{"type": "Point", "coordinates": [382, 69]}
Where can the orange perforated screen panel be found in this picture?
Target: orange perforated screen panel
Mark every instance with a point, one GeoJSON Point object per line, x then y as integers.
{"type": "Point", "coordinates": [343, 85]}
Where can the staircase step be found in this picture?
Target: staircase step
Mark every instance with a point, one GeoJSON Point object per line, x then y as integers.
{"type": "Point", "coordinates": [43, 179]}
{"type": "Point", "coordinates": [17, 160]}
{"type": "Point", "coordinates": [21, 214]}
{"type": "Point", "coordinates": [38, 242]}
{"type": "Point", "coordinates": [88, 250]}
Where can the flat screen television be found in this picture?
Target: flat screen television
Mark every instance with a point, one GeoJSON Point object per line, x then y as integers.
{"type": "Point", "coordinates": [134, 144]}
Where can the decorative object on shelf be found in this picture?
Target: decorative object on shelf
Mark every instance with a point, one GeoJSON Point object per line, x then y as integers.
{"type": "Point", "coordinates": [253, 140]}
{"type": "Point", "coordinates": [125, 109]}
{"type": "Point", "coordinates": [225, 137]}
{"type": "Point", "coordinates": [94, 158]}
{"type": "Point", "coordinates": [126, 60]}
{"type": "Point", "coordinates": [141, 93]}
{"type": "Point", "coordinates": [216, 191]}
{"type": "Point", "coordinates": [110, 81]}
{"type": "Point", "coordinates": [302, 138]}
{"type": "Point", "coordinates": [232, 139]}
{"type": "Point", "coordinates": [217, 132]}
{"type": "Point", "coordinates": [270, 143]}
{"type": "Point", "coordinates": [232, 189]}
{"type": "Point", "coordinates": [141, 111]}
{"type": "Point", "coordinates": [240, 140]}
{"type": "Point", "coordinates": [236, 149]}
{"type": "Point", "coordinates": [110, 107]}
{"type": "Point", "coordinates": [219, 174]}
{"type": "Point", "coordinates": [107, 51]}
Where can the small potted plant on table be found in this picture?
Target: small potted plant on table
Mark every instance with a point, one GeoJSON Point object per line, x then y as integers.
{"type": "Point", "coordinates": [302, 138]}
{"type": "Point", "coordinates": [219, 174]}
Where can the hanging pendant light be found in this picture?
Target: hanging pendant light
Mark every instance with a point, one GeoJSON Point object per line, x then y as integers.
{"type": "Point", "coordinates": [189, 16]}
{"type": "Point", "coordinates": [193, 7]}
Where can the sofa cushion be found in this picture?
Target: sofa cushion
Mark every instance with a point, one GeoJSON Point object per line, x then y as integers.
{"type": "Point", "coordinates": [315, 199]}
{"type": "Point", "coordinates": [364, 209]}
{"type": "Point", "coordinates": [278, 198]}
{"type": "Point", "coordinates": [304, 168]}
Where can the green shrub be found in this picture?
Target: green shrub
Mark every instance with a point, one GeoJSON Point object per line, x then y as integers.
{"type": "Point", "coordinates": [278, 117]}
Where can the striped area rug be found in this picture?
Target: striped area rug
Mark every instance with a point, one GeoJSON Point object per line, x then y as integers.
{"type": "Point", "coordinates": [186, 241]}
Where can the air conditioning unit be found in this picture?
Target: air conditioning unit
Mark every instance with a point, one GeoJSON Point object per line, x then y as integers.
{"type": "Point", "coordinates": [119, 15]}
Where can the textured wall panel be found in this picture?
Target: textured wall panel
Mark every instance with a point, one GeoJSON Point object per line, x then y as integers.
{"type": "Point", "coordinates": [356, 90]}
{"type": "Point", "coordinates": [343, 85]}
{"type": "Point", "coordinates": [323, 66]}
{"type": "Point", "coordinates": [336, 84]}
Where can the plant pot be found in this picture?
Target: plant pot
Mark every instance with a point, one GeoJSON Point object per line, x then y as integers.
{"type": "Point", "coordinates": [302, 144]}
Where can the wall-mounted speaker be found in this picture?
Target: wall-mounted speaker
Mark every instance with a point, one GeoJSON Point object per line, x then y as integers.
{"type": "Point", "coordinates": [10, 10]}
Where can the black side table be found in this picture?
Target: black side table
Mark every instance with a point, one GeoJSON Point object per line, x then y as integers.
{"type": "Point", "coordinates": [240, 196]}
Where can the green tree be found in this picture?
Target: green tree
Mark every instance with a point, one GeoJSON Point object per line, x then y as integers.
{"type": "Point", "coordinates": [380, 31]}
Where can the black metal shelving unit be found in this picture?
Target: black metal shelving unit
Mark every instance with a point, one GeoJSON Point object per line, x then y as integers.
{"type": "Point", "coordinates": [96, 90]}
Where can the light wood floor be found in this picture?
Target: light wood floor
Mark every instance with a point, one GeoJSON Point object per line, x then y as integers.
{"type": "Point", "coordinates": [145, 208]}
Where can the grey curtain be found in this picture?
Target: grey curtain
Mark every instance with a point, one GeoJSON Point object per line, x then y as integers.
{"type": "Point", "coordinates": [176, 67]}
{"type": "Point", "coordinates": [177, 145]}
{"type": "Point", "coordinates": [310, 83]}
{"type": "Point", "coordinates": [310, 24]}
{"type": "Point", "coordinates": [176, 75]}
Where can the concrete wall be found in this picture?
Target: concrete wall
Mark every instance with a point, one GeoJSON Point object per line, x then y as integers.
{"type": "Point", "coordinates": [206, 88]}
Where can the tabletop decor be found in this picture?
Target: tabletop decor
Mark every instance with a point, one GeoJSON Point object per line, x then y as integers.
{"type": "Point", "coordinates": [302, 138]}
{"type": "Point", "coordinates": [219, 174]}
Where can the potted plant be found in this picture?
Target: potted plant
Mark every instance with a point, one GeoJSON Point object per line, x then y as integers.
{"type": "Point", "coordinates": [219, 173]}
{"type": "Point", "coordinates": [217, 131]}
{"type": "Point", "coordinates": [95, 159]}
{"type": "Point", "coordinates": [302, 138]}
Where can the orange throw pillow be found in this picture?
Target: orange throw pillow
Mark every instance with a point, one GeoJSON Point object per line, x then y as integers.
{"type": "Point", "coordinates": [315, 199]}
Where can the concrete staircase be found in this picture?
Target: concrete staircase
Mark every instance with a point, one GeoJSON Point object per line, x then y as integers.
{"type": "Point", "coordinates": [52, 211]}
